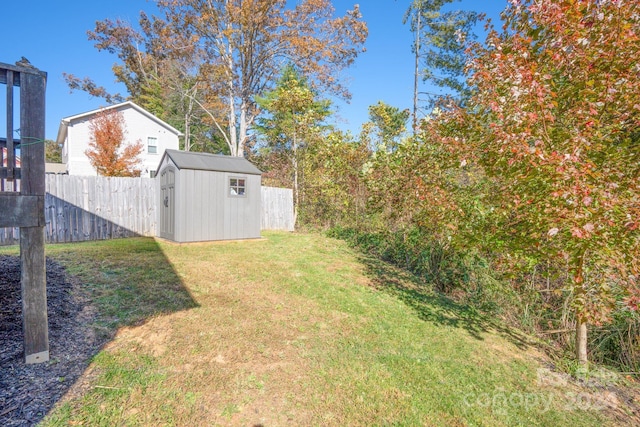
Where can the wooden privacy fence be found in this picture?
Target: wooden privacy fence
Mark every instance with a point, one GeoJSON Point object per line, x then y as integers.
{"type": "Point", "coordinates": [277, 209]}
{"type": "Point", "coordinates": [82, 208]}
{"type": "Point", "coordinates": [97, 208]}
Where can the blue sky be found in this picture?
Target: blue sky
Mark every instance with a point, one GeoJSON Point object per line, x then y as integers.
{"type": "Point", "coordinates": [52, 34]}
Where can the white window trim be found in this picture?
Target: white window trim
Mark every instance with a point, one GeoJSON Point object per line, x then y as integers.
{"type": "Point", "coordinates": [231, 187]}
{"type": "Point", "coordinates": [149, 139]}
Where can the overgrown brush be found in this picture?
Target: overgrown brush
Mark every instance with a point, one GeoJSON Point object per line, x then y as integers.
{"type": "Point", "coordinates": [466, 276]}
{"type": "Point", "coordinates": [530, 296]}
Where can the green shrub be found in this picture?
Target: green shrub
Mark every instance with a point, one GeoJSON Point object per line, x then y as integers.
{"type": "Point", "coordinates": [465, 275]}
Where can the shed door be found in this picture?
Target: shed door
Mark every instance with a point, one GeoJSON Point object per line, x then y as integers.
{"type": "Point", "coordinates": [167, 203]}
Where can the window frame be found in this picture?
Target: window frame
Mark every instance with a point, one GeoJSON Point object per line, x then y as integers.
{"type": "Point", "coordinates": [231, 187]}
{"type": "Point", "coordinates": [155, 146]}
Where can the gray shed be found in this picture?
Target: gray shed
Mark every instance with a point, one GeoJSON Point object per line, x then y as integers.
{"type": "Point", "coordinates": [207, 197]}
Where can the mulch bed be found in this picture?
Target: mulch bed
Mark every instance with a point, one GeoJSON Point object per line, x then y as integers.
{"type": "Point", "coordinates": [28, 392]}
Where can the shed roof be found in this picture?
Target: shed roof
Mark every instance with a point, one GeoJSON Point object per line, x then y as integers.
{"type": "Point", "coordinates": [211, 162]}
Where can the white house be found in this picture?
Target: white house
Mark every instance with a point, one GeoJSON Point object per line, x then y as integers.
{"type": "Point", "coordinates": [155, 135]}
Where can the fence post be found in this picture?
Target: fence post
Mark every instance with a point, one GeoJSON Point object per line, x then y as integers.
{"type": "Point", "coordinates": [33, 276]}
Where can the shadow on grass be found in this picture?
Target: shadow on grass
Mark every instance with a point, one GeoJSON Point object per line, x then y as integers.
{"type": "Point", "coordinates": [434, 307]}
{"type": "Point", "coordinates": [93, 289]}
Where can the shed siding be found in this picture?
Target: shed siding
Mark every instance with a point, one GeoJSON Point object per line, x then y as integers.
{"type": "Point", "coordinates": [187, 205]}
{"type": "Point", "coordinates": [220, 204]}
{"type": "Point", "coordinates": [205, 210]}
{"type": "Point", "coordinates": [181, 200]}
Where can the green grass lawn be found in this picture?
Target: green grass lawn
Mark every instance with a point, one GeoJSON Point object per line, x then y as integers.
{"type": "Point", "coordinates": [298, 329]}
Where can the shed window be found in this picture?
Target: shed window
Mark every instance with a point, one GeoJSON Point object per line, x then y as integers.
{"type": "Point", "coordinates": [237, 186]}
{"type": "Point", "coordinates": [152, 145]}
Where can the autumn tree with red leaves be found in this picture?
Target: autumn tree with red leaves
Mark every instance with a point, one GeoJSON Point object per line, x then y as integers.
{"type": "Point", "coordinates": [108, 151]}
{"type": "Point", "coordinates": [555, 124]}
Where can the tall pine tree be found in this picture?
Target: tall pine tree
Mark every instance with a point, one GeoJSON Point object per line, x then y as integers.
{"type": "Point", "coordinates": [294, 117]}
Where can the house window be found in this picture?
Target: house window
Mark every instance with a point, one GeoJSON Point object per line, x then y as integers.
{"type": "Point", "coordinates": [152, 174]}
{"type": "Point", "coordinates": [152, 145]}
{"type": "Point", "coordinates": [237, 187]}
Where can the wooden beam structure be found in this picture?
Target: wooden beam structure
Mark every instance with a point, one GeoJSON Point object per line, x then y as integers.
{"type": "Point", "coordinates": [20, 211]}
{"type": "Point", "coordinates": [26, 209]}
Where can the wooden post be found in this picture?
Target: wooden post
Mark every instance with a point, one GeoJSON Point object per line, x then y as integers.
{"type": "Point", "coordinates": [10, 157]}
{"type": "Point", "coordinates": [34, 286]}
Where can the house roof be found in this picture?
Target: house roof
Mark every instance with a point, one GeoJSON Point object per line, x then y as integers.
{"type": "Point", "coordinates": [64, 123]}
{"type": "Point", "coordinates": [211, 162]}
{"type": "Point", "coordinates": [4, 158]}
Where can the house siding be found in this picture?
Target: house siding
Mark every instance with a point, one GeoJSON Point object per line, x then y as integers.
{"type": "Point", "coordinates": [138, 128]}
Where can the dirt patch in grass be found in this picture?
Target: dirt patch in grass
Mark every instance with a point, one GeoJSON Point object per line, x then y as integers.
{"type": "Point", "coordinates": [28, 392]}
{"type": "Point", "coordinates": [240, 355]}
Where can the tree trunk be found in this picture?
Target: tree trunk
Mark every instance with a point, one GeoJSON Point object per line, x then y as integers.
{"type": "Point", "coordinates": [581, 341]}
{"type": "Point", "coordinates": [187, 123]}
{"type": "Point", "coordinates": [187, 132]}
{"type": "Point", "coordinates": [232, 120]}
{"type": "Point", "coordinates": [294, 149]}
{"type": "Point", "coordinates": [581, 321]}
{"type": "Point", "coordinates": [242, 138]}
{"type": "Point", "coordinates": [233, 135]}
{"type": "Point", "coordinates": [415, 75]}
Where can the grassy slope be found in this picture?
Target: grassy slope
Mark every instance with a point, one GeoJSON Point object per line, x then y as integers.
{"type": "Point", "coordinates": [293, 329]}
